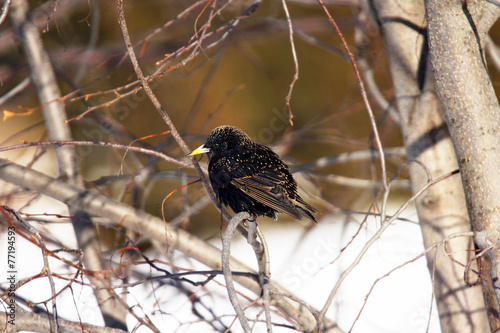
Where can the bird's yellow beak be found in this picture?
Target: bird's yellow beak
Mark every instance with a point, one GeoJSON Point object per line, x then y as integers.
{"type": "Point", "coordinates": [200, 150]}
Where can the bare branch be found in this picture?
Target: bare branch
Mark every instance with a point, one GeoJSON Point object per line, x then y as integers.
{"type": "Point", "coordinates": [423, 253]}
{"type": "Point", "coordinates": [384, 225]}
{"type": "Point", "coordinates": [150, 226]}
{"type": "Point", "coordinates": [457, 34]}
{"type": "Point", "coordinates": [295, 61]}
{"type": "Point", "coordinates": [491, 250]}
{"type": "Point", "coordinates": [349, 157]}
{"type": "Point", "coordinates": [363, 93]}
{"type": "Point", "coordinates": [361, 45]}
{"type": "Point", "coordinates": [16, 90]}
{"type": "Point", "coordinates": [5, 10]}
{"type": "Point", "coordinates": [441, 210]}
{"type": "Point", "coordinates": [94, 34]}
{"type": "Point", "coordinates": [226, 269]}
{"type": "Point", "coordinates": [45, 82]}
{"type": "Point", "coordinates": [53, 318]}
{"type": "Point", "coordinates": [97, 143]}
{"type": "Point", "coordinates": [265, 277]}
{"type": "Point", "coordinates": [156, 102]}
{"type": "Point", "coordinates": [27, 321]}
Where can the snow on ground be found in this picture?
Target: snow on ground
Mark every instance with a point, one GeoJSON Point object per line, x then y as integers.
{"type": "Point", "coordinates": [302, 262]}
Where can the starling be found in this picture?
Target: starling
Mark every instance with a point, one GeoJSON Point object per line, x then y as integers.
{"type": "Point", "coordinates": [250, 177]}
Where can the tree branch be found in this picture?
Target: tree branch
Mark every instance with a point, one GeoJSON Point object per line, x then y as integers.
{"type": "Point", "coordinates": [28, 321]}
{"type": "Point", "coordinates": [457, 36]}
{"type": "Point", "coordinates": [226, 269]}
{"type": "Point", "coordinates": [152, 227]}
{"type": "Point", "coordinates": [441, 210]}
{"type": "Point", "coordinates": [44, 79]}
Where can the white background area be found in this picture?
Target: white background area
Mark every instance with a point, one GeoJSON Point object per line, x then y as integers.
{"type": "Point", "coordinates": [302, 261]}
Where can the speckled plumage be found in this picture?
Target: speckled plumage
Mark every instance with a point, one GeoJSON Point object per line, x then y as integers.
{"type": "Point", "coordinates": [248, 176]}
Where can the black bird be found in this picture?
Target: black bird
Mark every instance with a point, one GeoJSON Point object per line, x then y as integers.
{"type": "Point", "coordinates": [250, 177]}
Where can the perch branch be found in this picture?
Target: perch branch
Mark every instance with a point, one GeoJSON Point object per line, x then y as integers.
{"type": "Point", "coordinates": [150, 226]}
{"type": "Point", "coordinates": [226, 269]}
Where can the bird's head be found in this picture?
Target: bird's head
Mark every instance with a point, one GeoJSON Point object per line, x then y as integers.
{"type": "Point", "coordinates": [221, 139]}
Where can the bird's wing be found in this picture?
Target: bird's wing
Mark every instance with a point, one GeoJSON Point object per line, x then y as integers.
{"type": "Point", "coordinates": [262, 176]}
{"type": "Point", "coordinates": [266, 189]}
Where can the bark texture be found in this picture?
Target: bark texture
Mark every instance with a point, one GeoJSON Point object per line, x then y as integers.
{"type": "Point", "coordinates": [442, 209]}
{"type": "Point", "coordinates": [457, 35]}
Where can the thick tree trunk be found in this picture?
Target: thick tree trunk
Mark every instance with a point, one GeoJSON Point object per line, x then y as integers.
{"type": "Point", "coordinates": [457, 34]}
{"type": "Point", "coordinates": [441, 209]}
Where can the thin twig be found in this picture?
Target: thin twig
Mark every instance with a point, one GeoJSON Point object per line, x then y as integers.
{"type": "Point", "coordinates": [361, 45]}
{"type": "Point", "coordinates": [295, 61]}
{"type": "Point", "coordinates": [5, 10]}
{"type": "Point", "coordinates": [423, 253]}
{"type": "Point", "coordinates": [98, 143]}
{"type": "Point", "coordinates": [385, 224]}
{"type": "Point", "coordinates": [16, 90]}
{"type": "Point", "coordinates": [491, 251]}
{"type": "Point", "coordinates": [467, 267]}
{"type": "Point", "coordinates": [349, 157]}
{"type": "Point", "coordinates": [45, 82]}
{"type": "Point", "coordinates": [156, 102]}
{"type": "Point", "coordinates": [265, 279]}
{"type": "Point", "coordinates": [204, 28]}
{"type": "Point", "coordinates": [167, 65]}
{"type": "Point", "coordinates": [148, 226]}
{"type": "Point", "coordinates": [363, 94]}
{"type": "Point", "coordinates": [47, 271]}
{"type": "Point", "coordinates": [262, 254]}
{"type": "Point", "coordinates": [226, 269]}
{"type": "Point", "coordinates": [163, 113]}
{"type": "Point", "coordinates": [433, 291]}
{"type": "Point", "coordinates": [94, 34]}
{"type": "Point", "coordinates": [301, 302]}
{"type": "Point", "coordinates": [360, 183]}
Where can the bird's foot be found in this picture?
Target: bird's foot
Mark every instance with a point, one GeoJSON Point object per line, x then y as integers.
{"type": "Point", "coordinates": [252, 230]}
{"type": "Point", "coordinates": [253, 218]}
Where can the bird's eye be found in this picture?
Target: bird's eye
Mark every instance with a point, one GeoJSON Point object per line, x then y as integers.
{"type": "Point", "coordinates": [216, 145]}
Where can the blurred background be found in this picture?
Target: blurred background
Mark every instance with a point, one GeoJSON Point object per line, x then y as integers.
{"type": "Point", "coordinates": [228, 62]}
{"type": "Point", "coordinates": [242, 80]}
